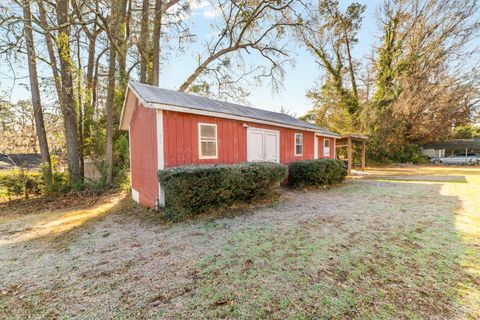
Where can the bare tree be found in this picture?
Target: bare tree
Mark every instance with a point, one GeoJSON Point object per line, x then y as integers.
{"type": "Point", "coordinates": [427, 71]}
{"type": "Point", "coordinates": [35, 91]}
{"type": "Point", "coordinates": [143, 48]}
{"type": "Point", "coordinates": [329, 35]}
{"type": "Point", "coordinates": [256, 27]}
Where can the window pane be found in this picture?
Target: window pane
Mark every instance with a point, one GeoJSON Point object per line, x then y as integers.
{"type": "Point", "coordinates": [298, 139]}
{"type": "Point", "coordinates": [207, 131]}
{"type": "Point", "coordinates": [298, 149]}
{"type": "Point", "coordinates": [209, 149]}
{"type": "Point", "coordinates": [327, 143]}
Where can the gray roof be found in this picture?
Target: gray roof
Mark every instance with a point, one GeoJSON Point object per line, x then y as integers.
{"type": "Point", "coordinates": [152, 94]}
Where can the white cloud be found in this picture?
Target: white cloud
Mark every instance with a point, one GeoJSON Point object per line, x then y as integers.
{"type": "Point", "coordinates": [199, 4]}
{"type": "Point", "coordinates": [204, 8]}
{"type": "Point", "coordinates": [211, 13]}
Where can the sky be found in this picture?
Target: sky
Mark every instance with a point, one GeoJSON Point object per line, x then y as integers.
{"type": "Point", "coordinates": [298, 78]}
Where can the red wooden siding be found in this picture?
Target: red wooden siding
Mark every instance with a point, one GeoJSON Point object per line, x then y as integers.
{"type": "Point", "coordinates": [320, 147]}
{"type": "Point", "coordinates": [181, 140]}
{"type": "Point", "coordinates": [143, 150]}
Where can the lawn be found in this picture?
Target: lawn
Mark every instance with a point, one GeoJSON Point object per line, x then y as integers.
{"type": "Point", "coordinates": [392, 243]}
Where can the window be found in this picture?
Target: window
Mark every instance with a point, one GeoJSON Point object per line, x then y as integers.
{"type": "Point", "coordinates": [326, 147]}
{"type": "Point", "coordinates": [207, 134]}
{"type": "Point", "coordinates": [298, 144]}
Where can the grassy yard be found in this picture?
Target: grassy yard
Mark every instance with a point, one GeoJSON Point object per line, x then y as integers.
{"type": "Point", "coordinates": [392, 243]}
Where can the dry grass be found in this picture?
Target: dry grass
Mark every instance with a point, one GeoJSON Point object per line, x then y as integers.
{"type": "Point", "coordinates": [397, 243]}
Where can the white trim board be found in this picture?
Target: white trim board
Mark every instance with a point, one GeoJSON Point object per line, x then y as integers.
{"type": "Point", "coordinates": [160, 155]}
{"type": "Point", "coordinates": [334, 148]}
{"type": "Point", "coordinates": [135, 195]}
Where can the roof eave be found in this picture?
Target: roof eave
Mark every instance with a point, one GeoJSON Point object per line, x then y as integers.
{"type": "Point", "coordinates": [177, 108]}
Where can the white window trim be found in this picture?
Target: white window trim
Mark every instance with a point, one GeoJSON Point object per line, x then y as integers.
{"type": "Point", "coordinates": [325, 148]}
{"type": "Point", "coordinates": [295, 143]}
{"type": "Point", "coordinates": [200, 124]}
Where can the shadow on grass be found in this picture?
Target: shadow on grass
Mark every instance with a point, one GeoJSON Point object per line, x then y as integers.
{"type": "Point", "coordinates": [59, 222]}
{"type": "Point", "coordinates": [422, 179]}
{"type": "Point", "coordinates": [401, 257]}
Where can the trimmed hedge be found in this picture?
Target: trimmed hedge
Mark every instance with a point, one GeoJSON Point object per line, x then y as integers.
{"type": "Point", "coordinates": [316, 173]}
{"type": "Point", "coordinates": [197, 188]}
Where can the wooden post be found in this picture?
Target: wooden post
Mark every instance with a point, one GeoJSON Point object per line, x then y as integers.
{"type": "Point", "coordinates": [350, 158]}
{"type": "Point", "coordinates": [364, 151]}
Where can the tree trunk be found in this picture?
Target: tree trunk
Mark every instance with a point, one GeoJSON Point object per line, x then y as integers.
{"type": "Point", "coordinates": [88, 101]}
{"type": "Point", "coordinates": [68, 108]}
{"type": "Point", "coordinates": [111, 93]}
{"type": "Point", "coordinates": [34, 89]}
{"type": "Point", "coordinates": [124, 29]}
{"type": "Point", "coordinates": [350, 67]}
{"type": "Point", "coordinates": [81, 145]}
{"type": "Point", "coordinates": [143, 45]}
{"type": "Point", "coordinates": [51, 52]}
{"type": "Point", "coordinates": [157, 31]}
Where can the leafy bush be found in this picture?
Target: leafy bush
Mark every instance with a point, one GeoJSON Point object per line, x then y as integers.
{"type": "Point", "coordinates": [319, 172]}
{"type": "Point", "coordinates": [21, 182]}
{"type": "Point", "coordinates": [59, 184]}
{"type": "Point", "coordinates": [198, 188]}
{"type": "Point", "coordinates": [380, 153]}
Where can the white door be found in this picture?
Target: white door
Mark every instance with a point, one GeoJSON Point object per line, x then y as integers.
{"type": "Point", "coordinates": [255, 145]}
{"type": "Point", "coordinates": [263, 145]}
{"type": "Point", "coordinates": [272, 146]}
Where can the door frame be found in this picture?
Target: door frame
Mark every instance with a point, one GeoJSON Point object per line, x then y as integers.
{"type": "Point", "coordinates": [263, 131]}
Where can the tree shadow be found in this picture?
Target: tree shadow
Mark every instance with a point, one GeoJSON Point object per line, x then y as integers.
{"type": "Point", "coordinates": [18, 229]}
{"type": "Point", "coordinates": [430, 267]}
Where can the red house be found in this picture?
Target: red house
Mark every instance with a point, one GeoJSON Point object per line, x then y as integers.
{"type": "Point", "coordinates": [168, 128]}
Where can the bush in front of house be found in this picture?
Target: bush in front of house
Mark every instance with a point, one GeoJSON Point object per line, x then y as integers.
{"type": "Point", "coordinates": [321, 172]}
{"type": "Point", "coordinates": [198, 188]}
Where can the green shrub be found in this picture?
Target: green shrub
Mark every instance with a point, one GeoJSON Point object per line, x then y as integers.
{"type": "Point", "coordinates": [21, 182]}
{"type": "Point", "coordinates": [319, 172]}
{"type": "Point", "coordinates": [59, 183]}
{"type": "Point", "coordinates": [198, 188]}
{"type": "Point", "coordinates": [378, 152]}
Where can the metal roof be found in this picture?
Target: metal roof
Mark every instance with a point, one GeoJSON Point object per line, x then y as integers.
{"type": "Point", "coordinates": [453, 144]}
{"type": "Point", "coordinates": [156, 95]}
{"type": "Point", "coordinates": [354, 136]}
